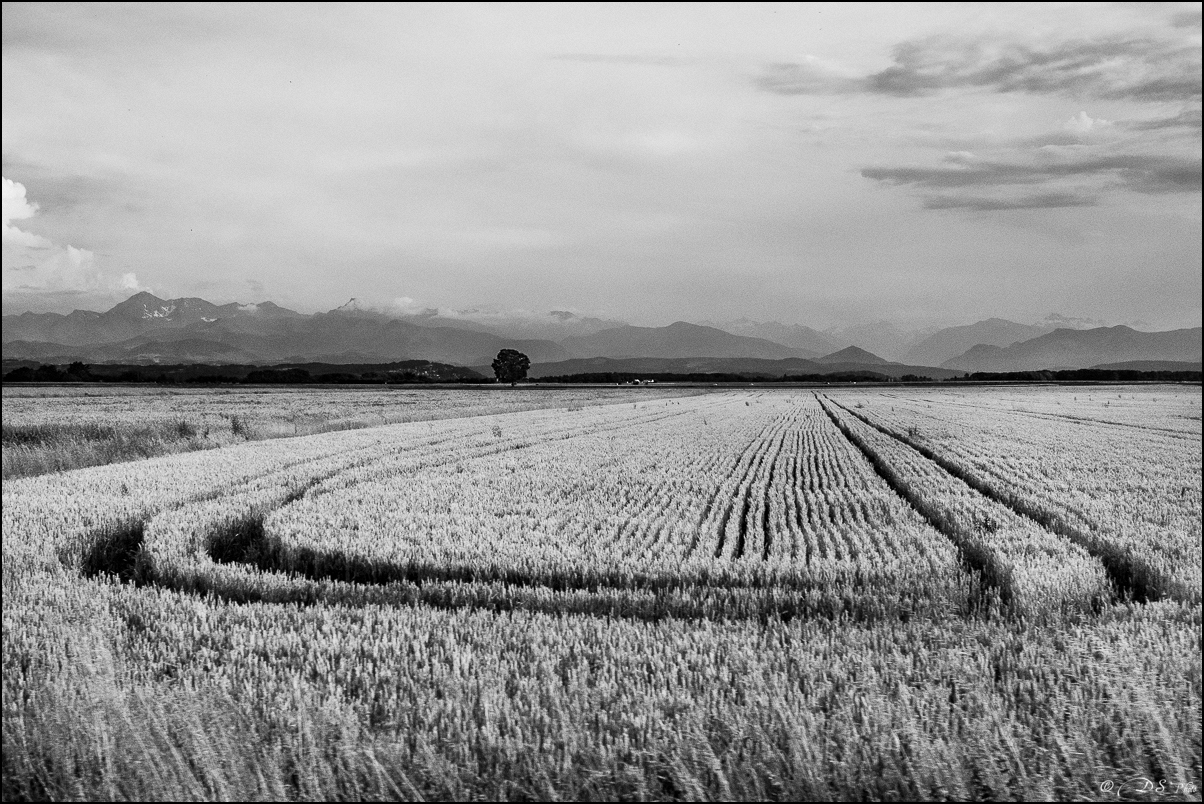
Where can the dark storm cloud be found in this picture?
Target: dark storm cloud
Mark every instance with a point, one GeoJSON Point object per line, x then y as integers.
{"type": "Point", "coordinates": [1138, 172]}
{"type": "Point", "coordinates": [1037, 201]}
{"type": "Point", "coordinates": [1141, 69]}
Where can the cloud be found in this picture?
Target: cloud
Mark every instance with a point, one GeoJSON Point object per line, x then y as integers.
{"type": "Point", "coordinates": [1112, 67]}
{"type": "Point", "coordinates": [17, 207]}
{"type": "Point", "coordinates": [1165, 176]}
{"type": "Point", "coordinates": [1188, 118]}
{"type": "Point", "coordinates": [1082, 123]}
{"type": "Point", "coordinates": [1187, 19]}
{"type": "Point", "coordinates": [1142, 69]}
{"type": "Point", "coordinates": [38, 272]}
{"type": "Point", "coordinates": [602, 58]}
{"type": "Point", "coordinates": [965, 175]}
{"type": "Point", "coordinates": [407, 306]}
{"type": "Point", "coordinates": [1171, 174]}
{"type": "Point", "coordinates": [811, 77]}
{"type": "Point", "coordinates": [1035, 201]}
{"type": "Point", "coordinates": [1075, 182]}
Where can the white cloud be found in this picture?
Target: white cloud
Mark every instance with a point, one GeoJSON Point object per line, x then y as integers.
{"type": "Point", "coordinates": [37, 270]}
{"type": "Point", "coordinates": [17, 207]}
{"type": "Point", "coordinates": [1082, 123]}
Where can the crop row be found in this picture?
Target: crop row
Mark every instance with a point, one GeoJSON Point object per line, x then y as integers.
{"type": "Point", "coordinates": [1158, 408]}
{"type": "Point", "coordinates": [652, 507]}
{"type": "Point", "coordinates": [181, 542]}
{"type": "Point", "coordinates": [640, 501]}
{"type": "Point", "coordinates": [1129, 496]}
{"type": "Point", "coordinates": [54, 517]}
{"type": "Point", "coordinates": [1034, 569]}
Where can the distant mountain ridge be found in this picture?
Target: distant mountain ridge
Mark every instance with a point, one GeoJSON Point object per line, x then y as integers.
{"type": "Point", "coordinates": [137, 315]}
{"type": "Point", "coordinates": [145, 329]}
{"type": "Point", "coordinates": [752, 367]}
{"type": "Point", "coordinates": [925, 346]}
{"type": "Point", "coordinates": [948, 343]}
{"type": "Point", "coordinates": [853, 354]}
{"type": "Point", "coordinates": [679, 339]}
{"type": "Point", "coordinates": [1082, 348]}
{"type": "Point", "coordinates": [796, 336]}
{"type": "Point", "coordinates": [884, 338]}
{"type": "Point", "coordinates": [554, 325]}
{"type": "Point", "coordinates": [879, 337]}
{"type": "Point", "coordinates": [522, 324]}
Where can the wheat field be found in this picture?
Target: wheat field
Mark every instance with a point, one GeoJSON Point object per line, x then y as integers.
{"type": "Point", "coordinates": [919, 594]}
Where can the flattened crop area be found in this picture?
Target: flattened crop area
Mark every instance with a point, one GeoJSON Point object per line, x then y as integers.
{"type": "Point", "coordinates": [755, 594]}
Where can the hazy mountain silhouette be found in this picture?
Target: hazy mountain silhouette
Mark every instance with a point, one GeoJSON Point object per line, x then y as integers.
{"type": "Point", "coordinates": [146, 329]}
{"type": "Point", "coordinates": [141, 313]}
{"type": "Point", "coordinates": [853, 355]}
{"type": "Point", "coordinates": [948, 343]}
{"type": "Point", "coordinates": [802, 339]}
{"type": "Point", "coordinates": [885, 338]}
{"type": "Point", "coordinates": [679, 339]}
{"type": "Point", "coordinates": [1058, 321]}
{"type": "Point", "coordinates": [1082, 348]}
{"type": "Point", "coordinates": [521, 324]}
{"type": "Point", "coordinates": [748, 366]}
{"type": "Point", "coordinates": [554, 325]}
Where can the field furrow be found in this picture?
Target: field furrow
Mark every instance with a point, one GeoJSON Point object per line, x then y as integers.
{"type": "Point", "coordinates": [1131, 500]}
{"type": "Point", "coordinates": [1034, 569]}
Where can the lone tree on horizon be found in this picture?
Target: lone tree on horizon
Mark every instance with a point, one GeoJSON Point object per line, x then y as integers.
{"type": "Point", "coordinates": [511, 366]}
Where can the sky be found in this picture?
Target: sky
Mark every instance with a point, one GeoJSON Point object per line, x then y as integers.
{"type": "Point", "coordinates": [823, 164]}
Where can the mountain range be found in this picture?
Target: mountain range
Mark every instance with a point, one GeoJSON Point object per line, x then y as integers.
{"type": "Point", "coordinates": [946, 344]}
{"type": "Point", "coordinates": [679, 339]}
{"type": "Point", "coordinates": [553, 325]}
{"type": "Point", "coordinates": [1082, 348]}
{"type": "Point", "coordinates": [879, 337]}
{"type": "Point", "coordinates": [136, 315]}
{"type": "Point", "coordinates": [145, 329]}
{"type": "Point", "coordinates": [748, 366]}
{"type": "Point", "coordinates": [796, 336]}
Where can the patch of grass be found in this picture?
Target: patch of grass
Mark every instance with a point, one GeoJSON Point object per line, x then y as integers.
{"type": "Point", "coordinates": [31, 450]}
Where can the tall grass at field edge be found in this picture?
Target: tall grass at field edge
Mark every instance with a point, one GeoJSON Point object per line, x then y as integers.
{"type": "Point", "coordinates": [30, 450]}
